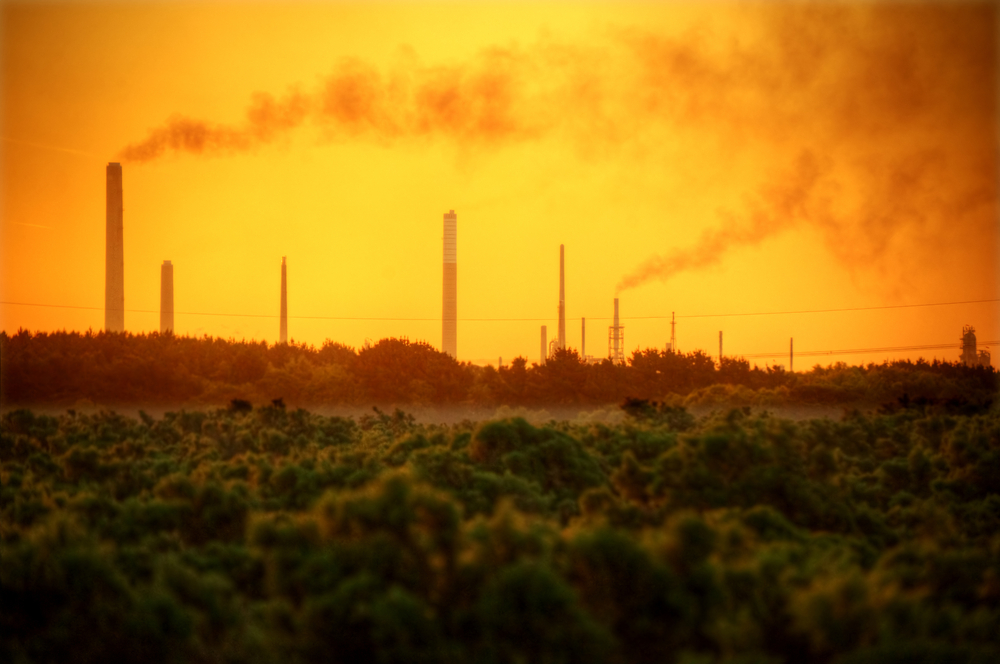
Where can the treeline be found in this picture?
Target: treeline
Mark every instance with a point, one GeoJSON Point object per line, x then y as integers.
{"type": "Point", "coordinates": [272, 535]}
{"type": "Point", "coordinates": [63, 368]}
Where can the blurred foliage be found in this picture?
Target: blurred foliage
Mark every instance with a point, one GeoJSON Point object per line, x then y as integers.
{"type": "Point", "coordinates": [271, 534]}
{"type": "Point", "coordinates": [67, 368]}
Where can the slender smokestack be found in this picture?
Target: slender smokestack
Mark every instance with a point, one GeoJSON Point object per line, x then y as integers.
{"type": "Point", "coordinates": [449, 308]}
{"type": "Point", "coordinates": [617, 350]}
{"type": "Point", "coordinates": [166, 297]}
{"type": "Point", "coordinates": [283, 327]}
{"type": "Point", "coordinates": [542, 353]}
{"type": "Point", "coordinates": [583, 338]}
{"type": "Point", "coordinates": [114, 257]}
{"type": "Point", "coordinates": [562, 298]}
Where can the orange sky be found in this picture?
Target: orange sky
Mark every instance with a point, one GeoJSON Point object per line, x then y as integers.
{"type": "Point", "coordinates": [702, 159]}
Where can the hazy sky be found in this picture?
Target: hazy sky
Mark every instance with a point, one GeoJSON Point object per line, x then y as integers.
{"type": "Point", "coordinates": [704, 159]}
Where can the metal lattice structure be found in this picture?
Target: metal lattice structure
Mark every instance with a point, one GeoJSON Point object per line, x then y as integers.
{"type": "Point", "coordinates": [616, 339]}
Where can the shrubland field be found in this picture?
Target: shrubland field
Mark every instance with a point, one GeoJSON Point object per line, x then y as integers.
{"type": "Point", "coordinates": [272, 534]}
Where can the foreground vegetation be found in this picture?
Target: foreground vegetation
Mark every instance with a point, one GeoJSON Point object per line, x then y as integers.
{"type": "Point", "coordinates": [269, 534]}
{"type": "Point", "coordinates": [121, 369]}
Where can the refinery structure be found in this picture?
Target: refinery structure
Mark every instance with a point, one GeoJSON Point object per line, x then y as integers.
{"type": "Point", "coordinates": [449, 304]}
{"type": "Point", "coordinates": [971, 356]}
{"type": "Point", "coordinates": [283, 313]}
{"type": "Point", "coordinates": [114, 256]}
{"type": "Point", "coordinates": [616, 339]}
{"type": "Point", "coordinates": [559, 342]}
{"type": "Point", "coordinates": [616, 331]}
{"type": "Point", "coordinates": [166, 297]}
{"type": "Point", "coordinates": [114, 296]}
{"type": "Point", "coordinates": [562, 298]}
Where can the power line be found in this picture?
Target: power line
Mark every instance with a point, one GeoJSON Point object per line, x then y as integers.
{"type": "Point", "coordinates": [859, 351]}
{"type": "Point", "coordinates": [826, 311]}
{"type": "Point", "coordinates": [849, 351]}
{"type": "Point", "coordinates": [772, 355]}
{"type": "Point", "coordinates": [487, 320]}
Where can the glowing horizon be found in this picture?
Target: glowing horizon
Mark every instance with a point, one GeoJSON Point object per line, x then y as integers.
{"type": "Point", "coordinates": [700, 160]}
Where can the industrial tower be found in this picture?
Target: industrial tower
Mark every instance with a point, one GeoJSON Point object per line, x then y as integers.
{"type": "Point", "coordinates": [449, 308]}
{"type": "Point", "coordinates": [972, 356]}
{"type": "Point", "coordinates": [166, 297]}
{"type": "Point", "coordinates": [616, 339]}
{"type": "Point", "coordinates": [562, 299]}
{"type": "Point", "coordinates": [283, 326]}
{"type": "Point", "coordinates": [114, 256]}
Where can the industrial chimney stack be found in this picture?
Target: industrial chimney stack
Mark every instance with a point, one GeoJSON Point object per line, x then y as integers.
{"type": "Point", "coordinates": [617, 348]}
{"type": "Point", "coordinates": [283, 327]}
{"type": "Point", "coordinates": [114, 256]}
{"type": "Point", "coordinates": [562, 298]}
{"type": "Point", "coordinates": [449, 308]}
{"type": "Point", "coordinates": [166, 297]}
{"type": "Point", "coordinates": [616, 339]}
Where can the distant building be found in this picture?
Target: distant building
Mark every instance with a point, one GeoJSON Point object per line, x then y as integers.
{"type": "Point", "coordinates": [114, 254]}
{"type": "Point", "coordinates": [449, 306]}
{"type": "Point", "coordinates": [971, 356]}
{"type": "Point", "coordinates": [166, 297]}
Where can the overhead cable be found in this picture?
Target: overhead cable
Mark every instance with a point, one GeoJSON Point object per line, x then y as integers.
{"type": "Point", "coordinates": [488, 320]}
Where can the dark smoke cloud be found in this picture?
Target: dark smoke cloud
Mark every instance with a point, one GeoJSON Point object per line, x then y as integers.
{"type": "Point", "coordinates": [900, 102]}
{"type": "Point", "coordinates": [267, 118]}
{"type": "Point", "coordinates": [778, 207]}
{"type": "Point", "coordinates": [887, 114]}
{"type": "Point", "coordinates": [493, 100]}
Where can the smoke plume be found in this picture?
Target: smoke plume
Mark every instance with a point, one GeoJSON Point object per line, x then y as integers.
{"type": "Point", "coordinates": [492, 100]}
{"type": "Point", "coordinates": [885, 115]}
{"type": "Point", "coordinates": [898, 103]}
{"type": "Point", "coordinates": [781, 206]}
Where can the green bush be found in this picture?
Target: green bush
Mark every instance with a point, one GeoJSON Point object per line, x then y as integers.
{"type": "Point", "coordinates": [271, 534]}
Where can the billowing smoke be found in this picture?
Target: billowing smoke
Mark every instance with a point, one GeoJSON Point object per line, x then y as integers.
{"type": "Point", "coordinates": [493, 100]}
{"type": "Point", "coordinates": [781, 206]}
{"type": "Point", "coordinates": [897, 105]}
{"type": "Point", "coordinates": [877, 121]}
{"type": "Point", "coordinates": [267, 118]}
